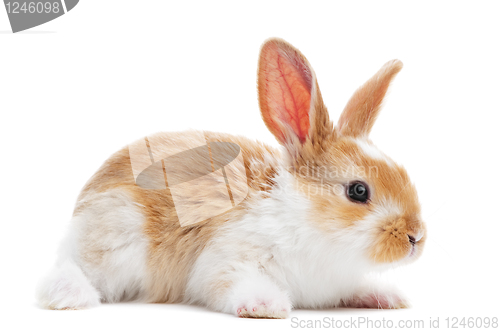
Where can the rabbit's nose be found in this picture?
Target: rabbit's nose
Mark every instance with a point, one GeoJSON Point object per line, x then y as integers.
{"type": "Point", "coordinates": [412, 239]}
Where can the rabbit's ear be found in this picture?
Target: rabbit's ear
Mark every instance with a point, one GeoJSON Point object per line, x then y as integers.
{"type": "Point", "coordinates": [362, 109]}
{"type": "Point", "coordinates": [289, 96]}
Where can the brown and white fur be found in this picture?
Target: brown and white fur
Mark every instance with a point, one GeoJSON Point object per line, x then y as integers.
{"type": "Point", "coordinates": [293, 242]}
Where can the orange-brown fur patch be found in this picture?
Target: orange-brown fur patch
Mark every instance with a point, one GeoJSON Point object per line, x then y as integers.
{"type": "Point", "coordinates": [362, 110]}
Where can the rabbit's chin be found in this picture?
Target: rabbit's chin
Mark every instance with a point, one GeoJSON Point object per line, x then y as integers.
{"type": "Point", "coordinates": [399, 256]}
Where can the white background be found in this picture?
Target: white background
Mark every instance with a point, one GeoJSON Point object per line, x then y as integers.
{"type": "Point", "coordinates": [76, 89]}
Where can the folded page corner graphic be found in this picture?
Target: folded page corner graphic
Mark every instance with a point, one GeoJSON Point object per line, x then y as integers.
{"type": "Point", "coordinates": [26, 14]}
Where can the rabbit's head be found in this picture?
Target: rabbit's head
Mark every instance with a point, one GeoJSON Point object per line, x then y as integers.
{"type": "Point", "coordinates": [358, 195]}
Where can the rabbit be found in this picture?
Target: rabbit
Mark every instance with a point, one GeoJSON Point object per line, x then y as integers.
{"type": "Point", "coordinates": [307, 226]}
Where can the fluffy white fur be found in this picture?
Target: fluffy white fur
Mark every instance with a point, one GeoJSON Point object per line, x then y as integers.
{"type": "Point", "coordinates": [102, 258]}
{"type": "Point", "coordinates": [372, 151]}
{"type": "Point", "coordinates": [66, 287]}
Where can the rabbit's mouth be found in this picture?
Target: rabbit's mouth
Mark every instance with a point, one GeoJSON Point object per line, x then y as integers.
{"type": "Point", "coordinates": [413, 242]}
{"type": "Point", "coordinates": [413, 250]}
{"type": "Point", "coordinates": [416, 244]}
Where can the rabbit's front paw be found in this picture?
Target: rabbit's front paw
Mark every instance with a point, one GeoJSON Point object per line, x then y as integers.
{"type": "Point", "coordinates": [257, 296]}
{"type": "Point", "coordinates": [276, 308]}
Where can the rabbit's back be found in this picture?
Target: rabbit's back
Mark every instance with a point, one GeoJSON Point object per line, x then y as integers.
{"type": "Point", "coordinates": [131, 232]}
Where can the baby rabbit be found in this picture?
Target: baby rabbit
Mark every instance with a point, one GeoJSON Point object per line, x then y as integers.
{"type": "Point", "coordinates": [240, 227]}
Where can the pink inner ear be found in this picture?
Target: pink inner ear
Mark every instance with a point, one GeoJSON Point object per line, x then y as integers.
{"type": "Point", "coordinates": [288, 86]}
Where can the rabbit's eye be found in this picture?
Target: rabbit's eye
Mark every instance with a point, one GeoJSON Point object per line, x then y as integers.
{"type": "Point", "coordinates": [358, 192]}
